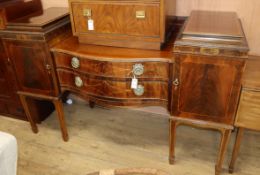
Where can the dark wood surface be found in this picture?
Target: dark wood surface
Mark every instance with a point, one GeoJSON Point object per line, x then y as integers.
{"type": "Point", "coordinates": [12, 9]}
{"type": "Point", "coordinates": [115, 23]}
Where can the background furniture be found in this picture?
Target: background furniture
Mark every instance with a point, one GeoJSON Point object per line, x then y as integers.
{"type": "Point", "coordinates": [248, 115]}
{"type": "Point", "coordinates": [132, 24]}
{"type": "Point", "coordinates": [10, 104]}
{"type": "Point", "coordinates": [8, 154]}
{"type": "Point", "coordinates": [210, 55]}
{"type": "Point", "coordinates": [27, 41]}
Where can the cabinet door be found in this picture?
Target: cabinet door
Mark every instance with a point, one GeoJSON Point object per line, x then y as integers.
{"type": "Point", "coordinates": [32, 64]}
{"type": "Point", "coordinates": [207, 88]}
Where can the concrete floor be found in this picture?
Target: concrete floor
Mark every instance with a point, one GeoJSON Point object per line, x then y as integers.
{"type": "Point", "coordinates": [118, 138]}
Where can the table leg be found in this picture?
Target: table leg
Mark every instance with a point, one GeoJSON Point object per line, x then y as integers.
{"type": "Point", "coordinates": [236, 148]}
{"type": "Point", "coordinates": [222, 150]}
{"type": "Point", "coordinates": [28, 114]}
{"type": "Point", "coordinates": [60, 115]}
{"type": "Point", "coordinates": [172, 140]}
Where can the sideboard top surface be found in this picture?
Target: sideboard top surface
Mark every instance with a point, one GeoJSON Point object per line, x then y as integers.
{"type": "Point", "coordinates": [206, 29]}
{"type": "Point", "coordinates": [224, 24]}
{"type": "Point", "coordinates": [105, 53]}
{"type": "Point", "coordinates": [41, 18]}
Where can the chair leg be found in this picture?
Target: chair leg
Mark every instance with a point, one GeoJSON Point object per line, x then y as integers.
{"type": "Point", "coordinates": [28, 114]}
{"type": "Point", "coordinates": [172, 140]}
{"type": "Point", "coordinates": [222, 150]}
{"type": "Point", "coordinates": [60, 115]}
{"type": "Point", "coordinates": [236, 148]}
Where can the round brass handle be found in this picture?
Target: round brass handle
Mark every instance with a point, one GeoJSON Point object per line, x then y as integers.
{"type": "Point", "coordinates": [138, 69]}
{"type": "Point", "coordinates": [139, 91]}
{"type": "Point", "coordinates": [78, 81]}
{"type": "Point", "coordinates": [75, 62]}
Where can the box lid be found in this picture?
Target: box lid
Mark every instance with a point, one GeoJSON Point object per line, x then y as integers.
{"type": "Point", "coordinates": [213, 30]}
{"type": "Point", "coordinates": [38, 20]}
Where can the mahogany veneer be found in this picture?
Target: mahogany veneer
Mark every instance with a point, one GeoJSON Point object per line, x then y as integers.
{"type": "Point", "coordinates": [132, 24]}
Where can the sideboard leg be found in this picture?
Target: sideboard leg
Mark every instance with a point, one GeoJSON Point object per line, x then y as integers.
{"type": "Point", "coordinates": [222, 150]}
{"type": "Point", "coordinates": [236, 148]}
{"type": "Point", "coordinates": [28, 114]}
{"type": "Point", "coordinates": [172, 139]}
{"type": "Point", "coordinates": [60, 115]}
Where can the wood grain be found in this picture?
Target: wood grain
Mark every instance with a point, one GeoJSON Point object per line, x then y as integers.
{"type": "Point", "coordinates": [248, 115]}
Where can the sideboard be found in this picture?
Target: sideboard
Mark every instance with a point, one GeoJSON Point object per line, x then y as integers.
{"type": "Point", "coordinates": [197, 75]}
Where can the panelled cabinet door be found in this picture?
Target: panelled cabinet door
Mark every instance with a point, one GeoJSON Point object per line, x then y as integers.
{"type": "Point", "coordinates": [206, 88]}
{"type": "Point", "coordinates": [31, 61]}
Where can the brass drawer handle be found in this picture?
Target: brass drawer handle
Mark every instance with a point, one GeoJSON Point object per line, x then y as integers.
{"type": "Point", "coordinates": [138, 69]}
{"type": "Point", "coordinates": [140, 14]}
{"type": "Point", "coordinates": [75, 62]}
{"type": "Point", "coordinates": [87, 12]}
{"type": "Point", "coordinates": [78, 81]}
{"type": "Point", "coordinates": [176, 82]}
{"type": "Point", "coordinates": [209, 51]}
{"type": "Point", "coordinates": [139, 91]}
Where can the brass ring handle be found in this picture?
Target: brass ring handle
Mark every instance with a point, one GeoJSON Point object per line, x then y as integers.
{"type": "Point", "coordinates": [75, 62]}
{"type": "Point", "coordinates": [138, 69]}
{"type": "Point", "coordinates": [139, 91]}
{"type": "Point", "coordinates": [176, 82]}
{"type": "Point", "coordinates": [78, 81]}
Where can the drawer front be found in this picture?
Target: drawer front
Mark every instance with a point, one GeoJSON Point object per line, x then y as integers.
{"type": "Point", "coordinates": [248, 115]}
{"type": "Point", "coordinates": [117, 18]}
{"type": "Point", "coordinates": [148, 70]}
{"type": "Point", "coordinates": [108, 88]}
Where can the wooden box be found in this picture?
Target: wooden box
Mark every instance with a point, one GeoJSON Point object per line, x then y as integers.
{"type": "Point", "coordinates": [210, 55]}
{"type": "Point", "coordinates": [132, 24]}
{"type": "Point", "coordinates": [12, 9]}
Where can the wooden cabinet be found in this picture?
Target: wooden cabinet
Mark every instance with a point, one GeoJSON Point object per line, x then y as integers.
{"type": "Point", "coordinates": [27, 41]}
{"type": "Point", "coordinates": [134, 24]}
{"type": "Point", "coordinates": [207, 87]}
{"type": "Point", "coordinates": [210, 55]}
{"type": "Point", "coordinates": [32, 64]}
{"type": "Point", "coordinates": [9, 101]}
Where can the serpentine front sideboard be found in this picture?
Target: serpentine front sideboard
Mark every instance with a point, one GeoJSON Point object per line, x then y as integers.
{"type": "Point", "coordinates": [196, 77]}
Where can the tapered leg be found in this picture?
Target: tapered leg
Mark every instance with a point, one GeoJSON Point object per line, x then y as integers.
{"type": "Point", "coordinates": [60, 114]}
{"type": "Point", "coordinates": [28, 114]}
{"type": "Point", "coordinates": [236, 149]}
{"type": "Point", "coordinates": [172, 139]}
{"type": "Point", "coordinates": [222, 150]}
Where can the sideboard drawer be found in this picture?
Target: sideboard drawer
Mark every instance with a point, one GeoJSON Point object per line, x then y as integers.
{"type": "Point", "coordinates": [150, 70]}
{"type": "Point", "coordinates": [248, 115]}
{"type": "Point", "coordinates": [110, 88]}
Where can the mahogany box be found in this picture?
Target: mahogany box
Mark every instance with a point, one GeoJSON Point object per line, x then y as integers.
{"type": "Point", "coordinates": [132, 24]}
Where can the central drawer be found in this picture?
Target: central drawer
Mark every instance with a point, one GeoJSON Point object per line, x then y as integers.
{"type": "Point", "coordinates": [111, 88]}
{"type": "Point", "coordinates": [144, 70]}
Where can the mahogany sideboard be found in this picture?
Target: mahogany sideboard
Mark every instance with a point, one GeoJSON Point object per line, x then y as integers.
{"type": "Point", "coordinates": [197, 77]}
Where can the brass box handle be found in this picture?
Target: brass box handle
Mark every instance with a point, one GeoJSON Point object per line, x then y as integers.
{"type": "Point", "coordinates": [209, 51]}
{"type": "Point", "coordinates": [140, 14]}
{"type": "Point", "coordinates": [87, 12]}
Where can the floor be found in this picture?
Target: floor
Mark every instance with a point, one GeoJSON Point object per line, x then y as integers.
{"type": "Point", "coordinates": [118, 138]}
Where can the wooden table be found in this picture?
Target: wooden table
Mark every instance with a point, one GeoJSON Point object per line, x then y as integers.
{"type": "Point", "coordinates": [248, 115]}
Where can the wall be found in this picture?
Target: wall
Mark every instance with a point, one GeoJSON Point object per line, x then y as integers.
{"type": "Point", "coordinates": [248, 11]}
